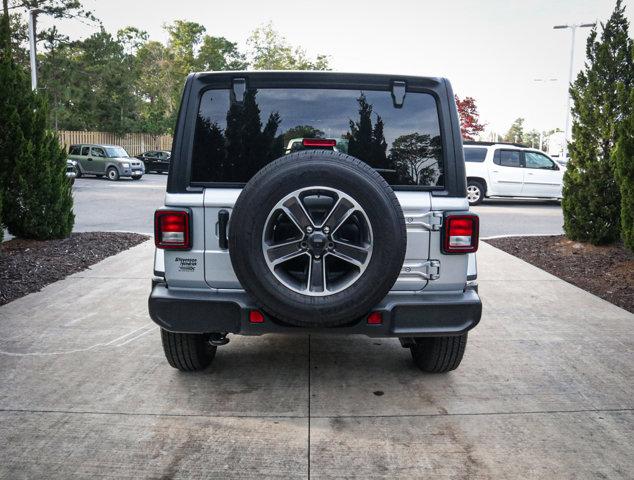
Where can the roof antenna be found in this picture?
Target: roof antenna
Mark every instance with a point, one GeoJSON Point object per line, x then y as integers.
{"type": "Point", "coordinates": [398, 93]}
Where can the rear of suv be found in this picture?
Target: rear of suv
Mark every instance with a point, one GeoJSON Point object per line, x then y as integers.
{"type": "Point", "coordinates": [302, 202]}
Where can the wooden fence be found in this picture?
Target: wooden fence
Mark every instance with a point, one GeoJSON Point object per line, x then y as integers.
{"type": "Point", "coordinates": [134, 143]}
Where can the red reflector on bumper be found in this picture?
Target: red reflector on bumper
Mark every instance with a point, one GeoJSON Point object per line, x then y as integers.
{"type": "Point", "coordinates": [375, 318]}
{"type": "Point", "coordinates": [255, 316]}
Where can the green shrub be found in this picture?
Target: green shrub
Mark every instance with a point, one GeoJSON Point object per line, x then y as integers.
{"type": "Point", "coordinates": [37, 199]}
{"type": "Point", "coordinates": [624, 171]}
{"type": "Point", "coordinates": [591, 203]}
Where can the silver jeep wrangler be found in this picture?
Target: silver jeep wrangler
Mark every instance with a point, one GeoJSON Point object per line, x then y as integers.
{"type": "Point", "coordinates": [363, 228]}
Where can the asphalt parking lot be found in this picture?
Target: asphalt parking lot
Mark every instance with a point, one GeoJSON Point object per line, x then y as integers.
{"type": "Point", "coordinates": [545, 391]}
{"type": "Point", "coordinates": [129, 205]}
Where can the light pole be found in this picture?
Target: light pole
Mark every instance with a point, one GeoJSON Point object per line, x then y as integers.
{"type": "Point", "coordinates": [33, 46]}
{"type": "Point", "coordinates": [573, 28]}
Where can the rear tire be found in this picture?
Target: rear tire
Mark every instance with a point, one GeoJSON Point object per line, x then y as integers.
{"type": "Point", "coordinates": [438, 354]}
{"type": "Point", "coordinates": [187, 352]}
{"type": "Point", "coordinates": [475, 192]}
{"type": "Point", "coordinates": [113, 174]}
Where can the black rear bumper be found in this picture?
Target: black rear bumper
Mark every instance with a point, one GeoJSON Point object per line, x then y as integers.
{"type": "Point", "coordinates": [404, 315]}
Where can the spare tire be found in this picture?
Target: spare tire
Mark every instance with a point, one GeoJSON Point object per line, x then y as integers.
{"type": "Point", "coordinates": [317, 238]}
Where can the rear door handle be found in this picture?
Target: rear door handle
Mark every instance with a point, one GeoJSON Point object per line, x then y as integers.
{"type": "Point", "coordinates": [223, 221]}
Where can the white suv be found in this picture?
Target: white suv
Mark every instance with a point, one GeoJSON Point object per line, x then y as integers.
{"type": "Point", "coordinates": [510, 170]}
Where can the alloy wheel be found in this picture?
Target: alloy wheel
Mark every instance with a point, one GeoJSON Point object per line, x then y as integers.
{"type": "Point", "coordinates": [317, 241]}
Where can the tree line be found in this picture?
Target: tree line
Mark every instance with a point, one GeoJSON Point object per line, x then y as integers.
{"type": "Point", "coordinates": [126, 82]}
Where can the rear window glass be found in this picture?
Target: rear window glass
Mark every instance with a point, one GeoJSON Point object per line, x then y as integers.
{"type": "Point", "coordinates": [509, 158]}
{"type": "Point", "coordinates": [234, 141]}
{"type": "Point", "coordinates": [74, 150]}
{"type": "Point", "coordinates": [474, 154]}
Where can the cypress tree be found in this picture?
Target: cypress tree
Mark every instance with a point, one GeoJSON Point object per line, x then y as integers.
{"type": "Point", "coordinates": [591, 203]}
{"type": "Point", "coordinates": [37, 199]}
{"type": "Point", "coordinates": [624, 170]}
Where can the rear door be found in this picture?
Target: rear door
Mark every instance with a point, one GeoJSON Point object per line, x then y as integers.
{"type": "Point", "coordinates": [542, 176]}
{"type": "Point", "coordinates": [85, 160]}
{"type": "Point", "coordinates": [238, 131]}
{"type": "Point", "coordinates": [98, 156]}
{"type": "Point", "coordinates": [149, 158]}
{"type": "Point", "coordinates": [507, 172]}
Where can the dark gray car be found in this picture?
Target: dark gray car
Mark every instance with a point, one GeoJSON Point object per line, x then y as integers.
{"type": "Point", "coordinates": [156, 160]}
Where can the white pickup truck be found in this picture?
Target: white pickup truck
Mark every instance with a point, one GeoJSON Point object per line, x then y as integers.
{"type": "Point", "coordinates": [510, 170]}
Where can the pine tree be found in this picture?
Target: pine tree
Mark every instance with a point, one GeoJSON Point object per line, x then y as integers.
{"type": "Point", "coordinates": [624, 171]}
{"type": "Point", "coordinates": [37, 200]}
{"type": "Point", "coordinates": [10, 131]}
{"type": "Point", "coordinates": [591, 201]}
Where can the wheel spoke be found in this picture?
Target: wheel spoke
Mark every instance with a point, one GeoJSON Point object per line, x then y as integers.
{"type": "Point", "coordinates": [350, 253]}
{"type": "Point", "coordinates": [339, 214]}
{"type": "Point", "coordinates": [297, 213]}
{"type": "Point", "coordinates": [316, 275]}
{"type": "Point", "coordinates": [277, 254]}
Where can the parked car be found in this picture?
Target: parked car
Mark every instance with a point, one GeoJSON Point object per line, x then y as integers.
{"type": "Point", "coordinates": [510, 170]}
{"type": "Point", "coordinates": [71, 170]}
{"type": "Point", "coordinates": [156, 160]}
{"type": "Point", "coordinates": [109, 160]}
{"type": "Point", "coordinates": [377, 241]}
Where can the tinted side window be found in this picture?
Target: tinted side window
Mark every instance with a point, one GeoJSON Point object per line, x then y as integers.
{"type": "Point", "coordinates": [74, 150]}
{"type": "Point", "coordinates": [85, 150]}
{"type": "Point", "coordinates": [510, 158]}
{"type": "Point", "coordinates": [537, 160]}
{"type": "Point", "coordinates": [234, 141]}
{"type": "Point", "coordinates": [98, 152]}
{"type": "Point", "coordinates": [150, 154]}
{"type": "Point", "coordinates": [474, 154]}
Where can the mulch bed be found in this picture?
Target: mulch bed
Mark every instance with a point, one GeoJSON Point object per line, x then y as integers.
{"type": "Point", "coordinates": [27, 266]}
{"type": "Point", "coordinates": [606, 271]}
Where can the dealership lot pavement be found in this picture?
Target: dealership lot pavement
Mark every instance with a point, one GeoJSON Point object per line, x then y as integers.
{"type": "Point", "coordinates": [129, 205]}
{"type": "Point", "coordinates": [545, 391]}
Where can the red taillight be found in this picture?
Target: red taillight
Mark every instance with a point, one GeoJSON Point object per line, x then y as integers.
{"type": "Point", "coordinates": [318, 142]}
{"type": "Point", "coordinates": [375, 318]}
{"type": "Point", "coordinates": [172, 229]}
{"type": "Point", "coordinates": [460, 234]}
{"type": "Point", "coordinates": [255, 316]}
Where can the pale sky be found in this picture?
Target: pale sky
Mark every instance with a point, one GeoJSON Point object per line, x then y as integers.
{"type": "Point", "coordinates": [491, 50]}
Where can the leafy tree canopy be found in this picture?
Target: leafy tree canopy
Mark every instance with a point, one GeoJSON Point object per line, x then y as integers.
{"type": "Point", "coordinates": [270, 50]}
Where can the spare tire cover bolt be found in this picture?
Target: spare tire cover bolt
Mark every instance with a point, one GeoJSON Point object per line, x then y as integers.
{"type": "Point", "coordinates": [309, 229]}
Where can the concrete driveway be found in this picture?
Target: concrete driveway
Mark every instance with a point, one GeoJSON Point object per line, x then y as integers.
{"type": "Point", "coordinates": [545, 390]}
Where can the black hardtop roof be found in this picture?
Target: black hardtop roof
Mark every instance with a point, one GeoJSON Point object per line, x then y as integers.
{"type": "Point", "coordinates": [318, 76]}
